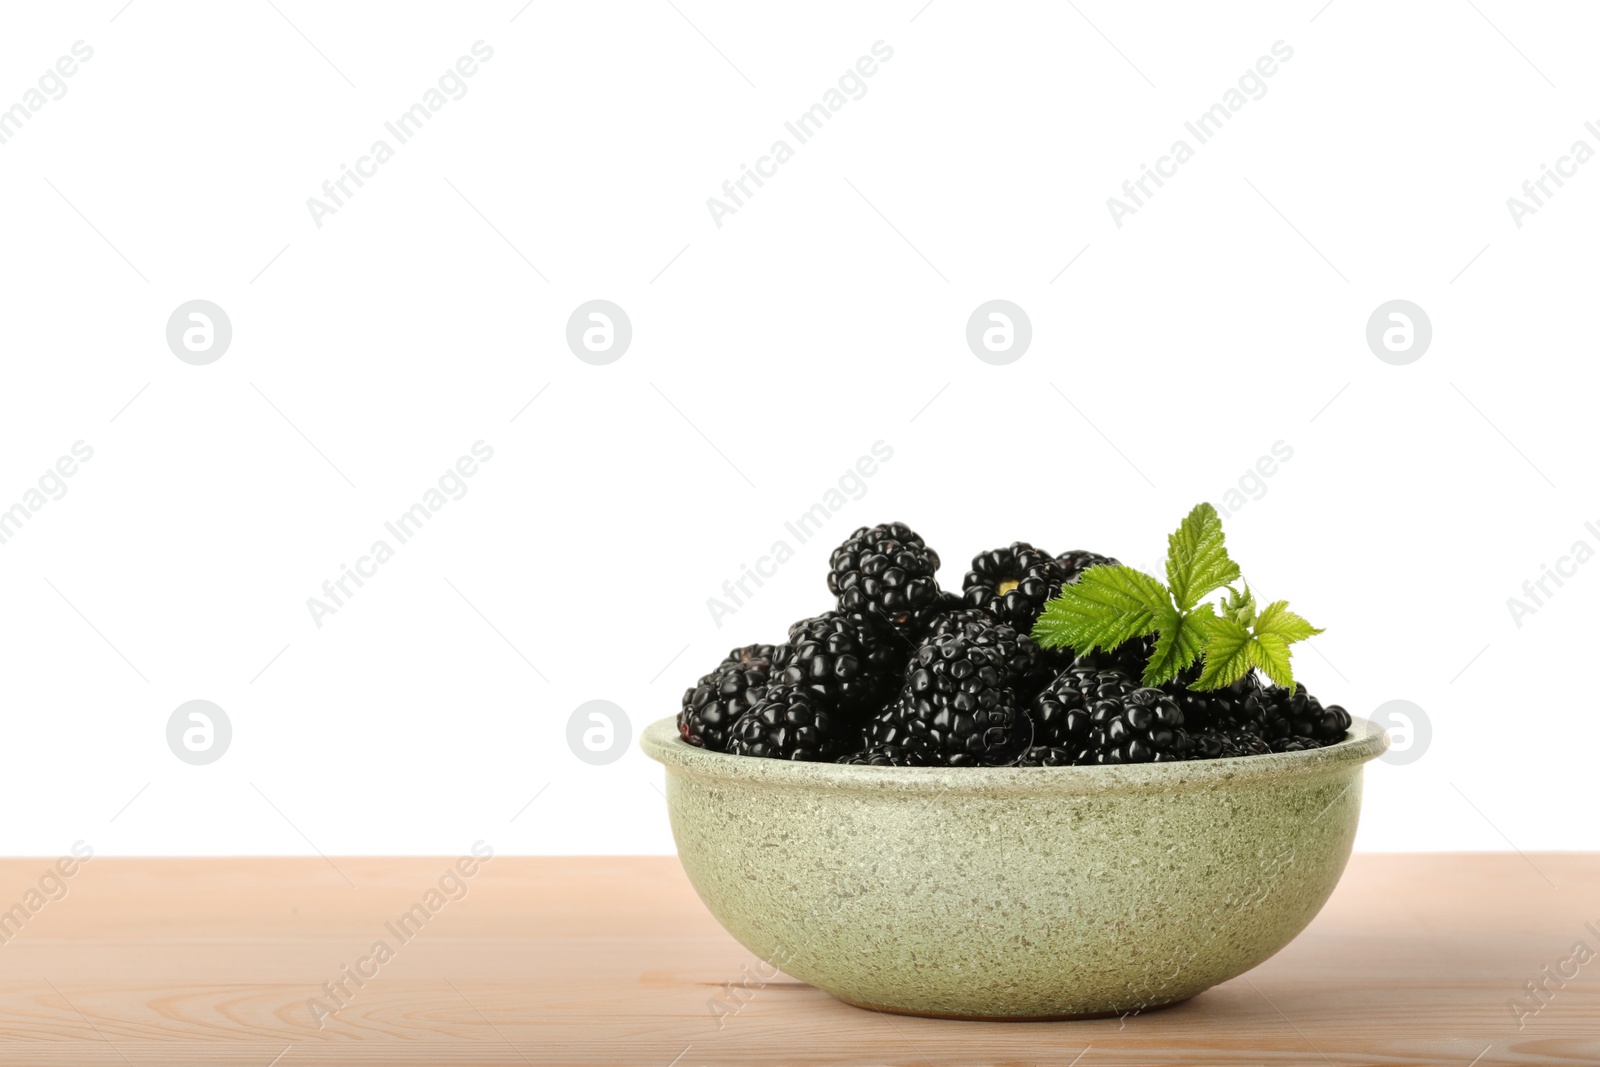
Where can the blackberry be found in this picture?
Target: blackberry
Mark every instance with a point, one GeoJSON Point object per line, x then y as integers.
{"type": "Point", "coordinates": [956, 699]}
{"type": "Point", "coordinates": [1130, 657]}
{"type": "Point", "coordinates": [1295, 744]}
{"type": "Point", "coordinates": [1214, 709]}
{"type": "Point", "coordinates": [1230, 704]}
{"type": "Point", "coordinates": [1220, 744]}
{"type": "Point", "coordinates": [1145, 726]}
{"type": "Point", "coordinates": [1251, 744]}
{"type": "Point", "coordinates": [1079, 560]}
{"type": "Point", "coordinates": [883, 576]}
{"type": "Point", "coordinates": [1209, 744]}
{"type": "Point", "coordinates": [1105, 684]}
{"type": "Point", "coordinates": [789, 722]}
{"type": "Point", "coordinates": [1013, 584]}
{"type": "Point", "coordinates": [911, 754]}
{"type": "Point", "coordinates": [1060, 712]}
{"type": "Point", "coordinates": [843, 660]}
{"type": "Point", "coordinates": [1045, 756]}
{"type": "Point", "coordinates": [1334, 726]}
{"type": "Point", "coordinates": [1027, 666]}
{"type": "Point", "coordinates": [714, 704]}
{"type": "Point", "coordinates": [891, 729]}
{"type": "Point", "coordinates": [887, 727]}
{"type": "Point", "coordinates": [1282, 714]}
{"type": "Point", "coordinates": [960, 620]}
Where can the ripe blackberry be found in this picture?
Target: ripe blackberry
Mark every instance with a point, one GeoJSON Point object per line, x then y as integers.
{"type": "Point", "coordinates": [1013, 584]}
{"type": "Point", "coordinates": [844, 660]}
{"type": "Point", "coordinates": [911, 754]}
{"type": "Point", "coordinates": [1060, 712]}
{"type": "Point", "coordinates": [1214, 709]}
{"type": "Point", "coordinates": [1220, 744]}
{"type": "Point", "coordinates": [1145, 726]}
{"type": "Point", "coordinates": [891, 730]}
{"type": "Point", "coordinates": [1251, 744]}
{"type": "Point", "coordinates": [1282, 714]}
{"type": "Point", "coordinates": [955, 698]}
{"type": "Point", "coordinates": [1295, 744]}
{"type": "Point", "coordinates": [1079, 560]}
{"type": "Point", "coordinates": [1130, 657]}
{"type": "Point", "coordinates": [714, 703]}
{"type": "Point", "coordinates": [1045, 756]}
{"type": "Point", "coordinates": [883, 575]}
{"type": "Point", "coordinates": [789, 722]}
{"type": "Point", "coordinates": [1334, 726]}
{"type": "Point", "coordinates": [1209, 744]}
{"type": "Point", "coordinates": [1027, 667]}
{"type": "Point", "coordinates": [888, 727]}
{"type": "Point", "coordinates": [959, 620]}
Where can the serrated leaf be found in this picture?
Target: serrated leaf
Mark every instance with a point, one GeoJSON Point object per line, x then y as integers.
{"type": "Point", "coordinates": [1181, 639]}
{"type": "Point", "coordinates": [1271, 653]}
{"type": "Point", "coordinates": [1229, 652]}
{"type": "Point", "coordinates": [1277, 619]}
{"type": "Point", "coordinates": [1106, 606]}
{"type": "Point", "coordinates": [1197, 558]}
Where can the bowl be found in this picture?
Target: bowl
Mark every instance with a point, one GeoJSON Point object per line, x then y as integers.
{"type": "Point", "coordinates": [1015, 893]}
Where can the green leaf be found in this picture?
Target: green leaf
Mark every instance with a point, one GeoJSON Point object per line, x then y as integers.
{"type": "Point", "coordinates": [1278, 620]}
{"type": "Point", "coordinates": [1109, 605]}
{"type": "Point", "coordinates": [1183, 635]}
{"type": "Point", "coordinates": [1234, 645]}
{"type": "Point", "coordinates": [1106, 606]}
{"type": "Point", "coordinates": [1276, 628]}
{"type": "Point", "coordinates": [1230, 653]}
{"type": "Point", "coordinates": [1271, 653]}
{"type": "Point", "coordinates": [1197, 559]}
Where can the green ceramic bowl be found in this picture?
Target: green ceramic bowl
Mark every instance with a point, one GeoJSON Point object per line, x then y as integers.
{"type": "Point", "coordinates": [1010, 893]}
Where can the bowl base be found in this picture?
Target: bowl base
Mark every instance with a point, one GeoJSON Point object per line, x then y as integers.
{"type": "Point", "coordinates": [891, 1009]}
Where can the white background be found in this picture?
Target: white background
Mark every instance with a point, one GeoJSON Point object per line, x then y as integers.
{"type": "Point", "coordinates": [768, 354]}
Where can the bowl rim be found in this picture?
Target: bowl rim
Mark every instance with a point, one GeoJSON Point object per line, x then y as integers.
{"type": "Point", "coordinates": [1365, 741]}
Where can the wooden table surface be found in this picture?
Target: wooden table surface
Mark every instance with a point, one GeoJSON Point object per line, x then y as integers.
{"type": "Point", "coordinates": [1416, 960]}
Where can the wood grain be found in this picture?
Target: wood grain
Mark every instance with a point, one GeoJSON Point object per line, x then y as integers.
{"type": "Point", "coordinates": [614, 961]}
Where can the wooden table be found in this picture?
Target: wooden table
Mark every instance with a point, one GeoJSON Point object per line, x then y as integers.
{"type": "Point", "coordinates": [1416, 960]}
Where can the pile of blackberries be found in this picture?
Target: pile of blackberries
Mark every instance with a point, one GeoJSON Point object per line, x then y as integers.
{"type": "Point", "coordinates": [904, 674]}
